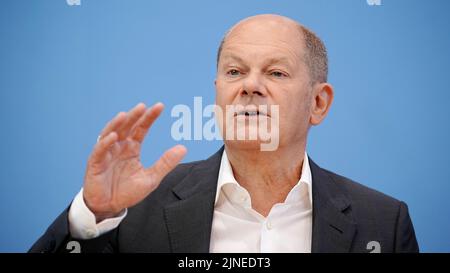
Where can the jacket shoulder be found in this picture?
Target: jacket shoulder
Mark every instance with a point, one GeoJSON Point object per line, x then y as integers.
{"type": "Point", "coordinates": [379, 217]}
{"type": "Point", "coordinates": [358, 192]}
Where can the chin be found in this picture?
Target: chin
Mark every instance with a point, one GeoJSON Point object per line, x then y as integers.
{"type": "Point", "coordinates": [250, 138]}
{"type": "Point", "coordinates": [245, 145]}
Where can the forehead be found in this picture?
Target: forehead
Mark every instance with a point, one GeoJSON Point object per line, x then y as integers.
{"type": "Point", "coordinates": [273, 36]}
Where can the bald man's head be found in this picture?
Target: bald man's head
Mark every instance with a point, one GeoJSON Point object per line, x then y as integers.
{"type": "Point", "coordinates": [314, 55]}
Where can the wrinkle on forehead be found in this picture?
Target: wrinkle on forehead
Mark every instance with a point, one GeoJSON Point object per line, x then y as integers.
{"type": "Point", "coordinates": [261, 52]}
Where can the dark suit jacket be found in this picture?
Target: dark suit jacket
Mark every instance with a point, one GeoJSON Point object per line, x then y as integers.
{"type": "Point", "coordinates": [177, 217]}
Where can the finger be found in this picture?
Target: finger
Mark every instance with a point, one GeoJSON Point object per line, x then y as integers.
{"type": "Point", "coordinates": [145, 122]}
{"type": "Point", "coordinates": [114, 124]}
{"type": "Point", "coordinates": [132, 116]}
{"type": "Point", "coordinates": [166, 163]}
{"type": "Point", "coordinates": [115, 149]}
{"type": "Point", "coordinates": [101, 148]}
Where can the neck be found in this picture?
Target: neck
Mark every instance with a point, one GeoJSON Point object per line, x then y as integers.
{"type": "Point", "coordinates": [267, 176]}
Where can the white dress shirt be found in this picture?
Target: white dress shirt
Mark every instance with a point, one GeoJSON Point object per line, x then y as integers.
{"type": "Point", "coordinates": [236, 226]}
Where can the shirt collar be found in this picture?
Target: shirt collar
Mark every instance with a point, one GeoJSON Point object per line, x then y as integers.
{"type": "Point", "coordinates": [226, 176]}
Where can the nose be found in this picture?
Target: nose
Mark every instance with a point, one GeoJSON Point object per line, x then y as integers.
{"type": "Point", "coordinates": [253, 85]}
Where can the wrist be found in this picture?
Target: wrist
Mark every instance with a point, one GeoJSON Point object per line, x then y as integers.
{"type": "Point", "coordinates": [99, 217]}
{"type": "Point", "coordinates": [104, 214]}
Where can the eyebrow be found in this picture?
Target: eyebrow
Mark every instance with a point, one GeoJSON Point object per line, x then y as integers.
{"type": "Point", "coordinates": [281, 60]}
{"type": "Point", "coordinates": [271, 61]}
{"type": "Point", "coordinates": [232, 56]}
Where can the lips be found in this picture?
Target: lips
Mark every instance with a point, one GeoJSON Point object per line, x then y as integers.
{"type": "Point", "coordinates": [251, 111]}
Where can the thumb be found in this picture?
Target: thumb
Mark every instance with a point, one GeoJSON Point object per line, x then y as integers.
{"type": "Point", "coordinates": [166, 163]}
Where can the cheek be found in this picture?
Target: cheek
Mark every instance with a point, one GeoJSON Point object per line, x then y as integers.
{"type": "Point", "coordinates": [294, 122]}
{"type": "Point", "coordinates": [294, 113]}
{"type": "Point", "coordinates": [220, 93]}
{"type": "Point", "coordinates": [225, 93]}
{"type": "Point", "coordinates": [223, 98]}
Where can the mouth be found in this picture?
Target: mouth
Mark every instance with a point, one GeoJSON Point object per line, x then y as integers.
{"type": "Point", "coordinates": [251, 113]}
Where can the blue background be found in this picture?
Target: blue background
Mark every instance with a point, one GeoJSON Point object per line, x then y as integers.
{"type": "Point", "coordinates": [66, 70]}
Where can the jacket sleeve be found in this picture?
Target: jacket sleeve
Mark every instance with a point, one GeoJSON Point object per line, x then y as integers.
{"type": "Point", "coordinates": [57, 239]}
{"type": "Point", "coordinates": [405, 237]}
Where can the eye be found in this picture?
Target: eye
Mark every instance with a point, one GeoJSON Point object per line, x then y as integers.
{"type": "Point", "coordinates": [278, 74]}
{"type": "Point", "coordinates": [233, 72]}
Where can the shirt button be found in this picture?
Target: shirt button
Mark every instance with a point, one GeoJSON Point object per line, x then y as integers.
{"type": "Point", "coordinates": [269, 225]}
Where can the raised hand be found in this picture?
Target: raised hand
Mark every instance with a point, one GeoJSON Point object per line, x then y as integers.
{"type": "Point", "coordinates": [115, 177]}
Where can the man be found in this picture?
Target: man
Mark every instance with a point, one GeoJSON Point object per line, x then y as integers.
{"type": "Point", "coordinates": [241, 199]}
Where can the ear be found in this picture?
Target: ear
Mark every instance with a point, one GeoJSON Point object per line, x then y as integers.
{"type": "Point", "coordinates": [322, 97]}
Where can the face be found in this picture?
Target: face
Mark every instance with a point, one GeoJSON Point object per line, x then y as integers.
{"type": "Point", "coordinates": [261, 63]}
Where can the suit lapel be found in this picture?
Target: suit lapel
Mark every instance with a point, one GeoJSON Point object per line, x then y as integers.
{"type": "Point", "coordinates": [333, 227]}
{"type": "Point", "coordinates": [189, 220]}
